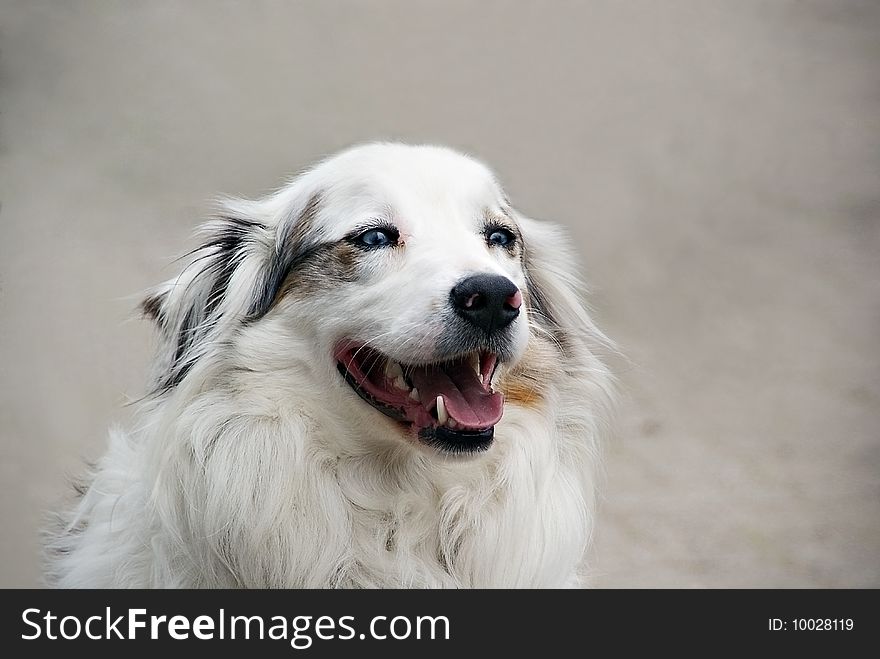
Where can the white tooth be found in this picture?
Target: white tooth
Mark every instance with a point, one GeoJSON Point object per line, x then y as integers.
{"type": "Point", "coordinates": [475, 362]}
{"type": "Point", "coordinates": [393, 370]}
{"type": "Point", "coordinates": [451, 423]}
{"type": "Point", "coordinates": [400, 383]}
{"type": "Point", "coordinates": [442, 416]}
{"type": "Point", "coordinates": [414, 394]}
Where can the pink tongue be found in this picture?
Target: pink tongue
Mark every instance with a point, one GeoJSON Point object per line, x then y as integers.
{"type": "Point", "coordinates": [467, 401]}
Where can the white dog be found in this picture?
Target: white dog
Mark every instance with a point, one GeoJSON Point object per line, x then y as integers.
{"type": "Point", "coordinates": [380, 376]}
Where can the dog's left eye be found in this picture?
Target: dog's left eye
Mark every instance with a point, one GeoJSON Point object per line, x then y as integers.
{"type": "Point", "coordinates": [500, 236]}
{"type": "Point", "coordinates": [378, 237]}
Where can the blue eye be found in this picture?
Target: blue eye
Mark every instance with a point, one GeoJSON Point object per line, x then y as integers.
{"type": "Point", "coordinates": [500, 236]}
{"type": "Point", "coordinates": [379, 237]}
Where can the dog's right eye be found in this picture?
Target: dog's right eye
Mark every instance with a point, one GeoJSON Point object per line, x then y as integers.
{"type": "Point", "coordinates": [377, 237]}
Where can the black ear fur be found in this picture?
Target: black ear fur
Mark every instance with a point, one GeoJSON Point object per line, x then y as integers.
{"type": "Point", "coordinates": [188, 310]}
{"type": "Point", "coordinates": [187, 316]}
{"type": "Point", "coordinates": [297, 240]}
{"type": "Point", "coordinates": [151, 307]}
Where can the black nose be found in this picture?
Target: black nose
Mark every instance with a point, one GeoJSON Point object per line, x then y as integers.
{"type": "Point", "coordinates": [490, 302]}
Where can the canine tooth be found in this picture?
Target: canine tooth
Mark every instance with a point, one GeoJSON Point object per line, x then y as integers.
{"type": "Point", "coordinates": [475, 364]}
{"type": "Point", "coordinates": [414, 394]}
{"type": "Point", "coordinates": [442, 416]}
{"type": "Point", "coordinates": [400, 383]}
{"type": "Point", "coordinates": [393, 370]}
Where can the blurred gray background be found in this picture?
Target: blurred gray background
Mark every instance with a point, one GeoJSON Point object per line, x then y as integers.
{"type": "Point", "coordinates": [717, 163]}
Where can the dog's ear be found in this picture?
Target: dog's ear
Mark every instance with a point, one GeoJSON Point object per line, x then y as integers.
{"type": "Point", "coordinates": [225, 282]}
{"type": "Point", "coordinates": [234, 276]}
{"type": "Point", "coordinates": [555, 292]}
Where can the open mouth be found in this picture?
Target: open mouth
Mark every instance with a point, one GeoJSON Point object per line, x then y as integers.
{"type": "Point", "coordinates": [449, 405]}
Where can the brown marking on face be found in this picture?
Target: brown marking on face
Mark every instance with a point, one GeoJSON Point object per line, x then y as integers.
{"type": "Point", "coordinates": [528, 383]}
{"type": "Point", "coordinates": [313, 266]}
{"type": "Point", "coordinates": [520, 392]}
{"type": "Point", "coordinates": [325, 267]}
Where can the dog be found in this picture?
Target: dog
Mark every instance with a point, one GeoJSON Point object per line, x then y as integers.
{"type": "Point", "coordinates": [381, 375]}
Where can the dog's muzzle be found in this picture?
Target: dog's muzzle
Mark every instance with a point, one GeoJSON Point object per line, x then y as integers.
{"type": "Point", "coordinates": [450, 404]}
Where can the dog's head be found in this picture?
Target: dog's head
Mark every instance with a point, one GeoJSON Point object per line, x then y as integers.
{"type": "Point", "coordinates": [402, 272]}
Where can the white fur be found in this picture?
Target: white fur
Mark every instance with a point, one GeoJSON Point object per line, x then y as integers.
{"type": "Point", "coordinates": [261, 468]}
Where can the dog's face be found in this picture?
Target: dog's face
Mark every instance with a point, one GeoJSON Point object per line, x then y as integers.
{"type": "Point", "coordinates": [402, 268]}
{"type": "Point", "coordinates": [408, 272]}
